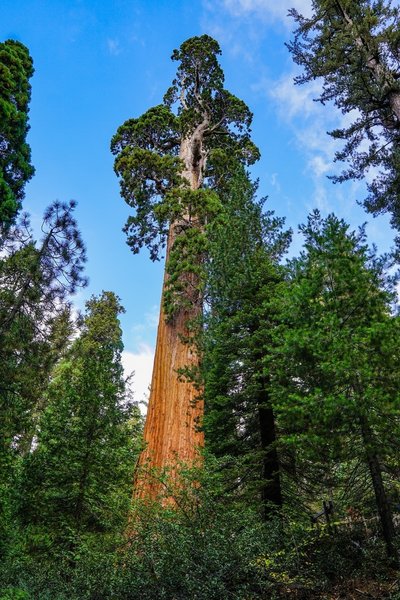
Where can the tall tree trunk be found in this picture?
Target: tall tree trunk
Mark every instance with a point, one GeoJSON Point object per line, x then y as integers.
{"type": "Point", "coordinates": [175, 410]}
{"type": "Point", "coordinates": [382, 501]}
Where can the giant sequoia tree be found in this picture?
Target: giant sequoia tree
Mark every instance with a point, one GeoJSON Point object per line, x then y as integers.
{"type": "Point", "coordinates": [353, 46]}
{"type": "Point", "coordinates": [166, 160]}
{"type": "Point", "coordinates": [15, 168]}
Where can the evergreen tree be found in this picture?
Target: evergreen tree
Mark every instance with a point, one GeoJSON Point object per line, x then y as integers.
{"type": "Point", "coordinates": [335, 360]}
{"type": "Point", "coordinates": [35, 327]}
{"type": "Point", "coordinates": [35, 281]}
{"type": "Point", "coordinates": [242, 273]}
{"type": "Point", "coordinates": [15, 91]}
{"type": "Point", "coordinates": [77, 480]}
{"type": "Point", "coordinates": [353, 46]}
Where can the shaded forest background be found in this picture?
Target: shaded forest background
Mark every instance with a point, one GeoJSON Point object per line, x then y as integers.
{"type": "Point", "coordinates": [298, 495]}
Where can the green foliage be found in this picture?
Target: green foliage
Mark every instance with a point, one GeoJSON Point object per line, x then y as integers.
{"type": "Point", "coordinates": [300, 364]}
{"type": "Point", "coordinates": [210, 545]}
{"type": "Point", "coordinates": [13, 594]}
{"type": "Point", "coordinates": [15, 91]}
{"type": "Point", "coordinates": [198, 90]}
{"type": "Point", "coordinates": [35, 326]}
{"type": "Point", "coordinates": [35, 281]}
{"type": "Point", "coordinates": [242, 274]}
{"type": "Point", "coordinates": [166, 154]}
{"type": "Point", "coordinates": [334, 365]}
{"type": "Point", "coordinates": [186, 273]}
{"type": "Point", "coordinates": [78, 478]}
{"type": "Point", "coordinates": [353, 46]}
{"type": "Point", "coordinates": [336, 327]}
{"type": "Point", "coordinates": [203, 548]}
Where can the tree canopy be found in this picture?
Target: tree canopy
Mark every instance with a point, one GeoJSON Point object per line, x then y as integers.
{"type": "Point", "coordinates": [16, 68]}
{"type": "Point", "coordinates": [149, 159]}
{"type": "Point", "coordinates": [353, 47]}
{"type": "Point", "coordinates": [333, 363]}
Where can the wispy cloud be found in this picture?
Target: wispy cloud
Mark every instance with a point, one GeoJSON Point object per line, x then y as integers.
{"type": "Point", "coordinates": [292, 100]}
{"type": "Point", "coordinates": [267, 9]}
{"type": "Point", "coordinates": [140, 359]}
{"type": "Point", "coordinates": [309, 122]}
{"type": "Point", "coordinates": [149, 322]}
{"type": "Point", "coordinates": [274, 180]}
{"type": "Point", "coordinates": [249, 29]}
{"type": "Point", "coordinates": [113, 46]}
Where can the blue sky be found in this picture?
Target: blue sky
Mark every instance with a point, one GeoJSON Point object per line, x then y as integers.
{"type": "Point", "coordinates": [98, 63]}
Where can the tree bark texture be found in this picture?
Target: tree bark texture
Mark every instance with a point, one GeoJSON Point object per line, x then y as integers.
{"type": "Point", "coordinates": [171, 434]}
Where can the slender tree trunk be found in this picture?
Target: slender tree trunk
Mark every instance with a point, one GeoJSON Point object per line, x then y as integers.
{"type": "Point", "coordinates": [382, 501]}
{"type": "Point", "coordinates": [271, 491]}
{"type": "Point", "coordinates": [175, 410]}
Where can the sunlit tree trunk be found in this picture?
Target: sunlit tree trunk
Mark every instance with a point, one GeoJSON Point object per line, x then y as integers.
{"type": "Point", "coordinates": [172, 434]}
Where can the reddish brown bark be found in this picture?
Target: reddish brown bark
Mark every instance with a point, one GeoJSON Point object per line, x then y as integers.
{"type": "Point", "coordinates": [171, 431]}
{"type": "Point", "coordinates": [175, 410]}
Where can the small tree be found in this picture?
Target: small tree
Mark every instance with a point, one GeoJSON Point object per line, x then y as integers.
{"type": "Point", "coordinates": [36, 279]}
{"type": "Point", "coordinates": [78, 478]}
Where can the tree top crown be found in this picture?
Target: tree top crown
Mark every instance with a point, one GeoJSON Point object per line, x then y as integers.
{"type": "Point", "coordinates": [201, 129]}
{"type": "Point", "coordinates": [199, 74]}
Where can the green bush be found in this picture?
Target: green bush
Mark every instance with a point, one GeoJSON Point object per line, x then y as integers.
{"type": "Point", "coordinates": [13, 594]}
{"type": "Point", "coordinates": [204, 545]}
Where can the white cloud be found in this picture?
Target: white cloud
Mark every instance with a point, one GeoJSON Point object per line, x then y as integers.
{"type": "Point", "coordinates": [275, 182]}
{"type": "Point", "coordinates": [267, 9]}
{"type": "Point", "coordinates": [152, 315]}
{"type": "Point", "coordinates": [150, 321]}
{"type": "Point", "coordinates": [143, 331]}
{"type": "Point", "coordinates": [240, 26]}
{"type": "Point", "coordinates": [292, 100]}
{"type": "Point", "coordinates": [140, 359]}
{"type": "Point", "coordinates": [319, 166]}
{"type": "Point", "coordinates": [309, 122]}
{"type": "Point", "coordinates": [141, 363]}
{"type": "Point", "coordinates": [237, 39]}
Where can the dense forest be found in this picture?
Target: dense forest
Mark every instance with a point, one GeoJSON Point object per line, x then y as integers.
{"type": "Point", "coordinates": [267, 466]}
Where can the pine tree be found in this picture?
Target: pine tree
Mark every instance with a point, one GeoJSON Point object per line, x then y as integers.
{"type": "Point", "coordinates": [165, 160]}
{"type": "Point", "coordinates": [36, 279]}
{"type": "Point", "coordinates": [242, 274]}
{"type": "Point", "coordinates": [335, 361]}
{"type": "Point", "coordinates": [16, 69]}
{"type": "Point", "coordinates": [35, 326]}
{"type": "Point", "coordinates": [77, 480]}
{"type": "Point", "coordinates": [353, 46]}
